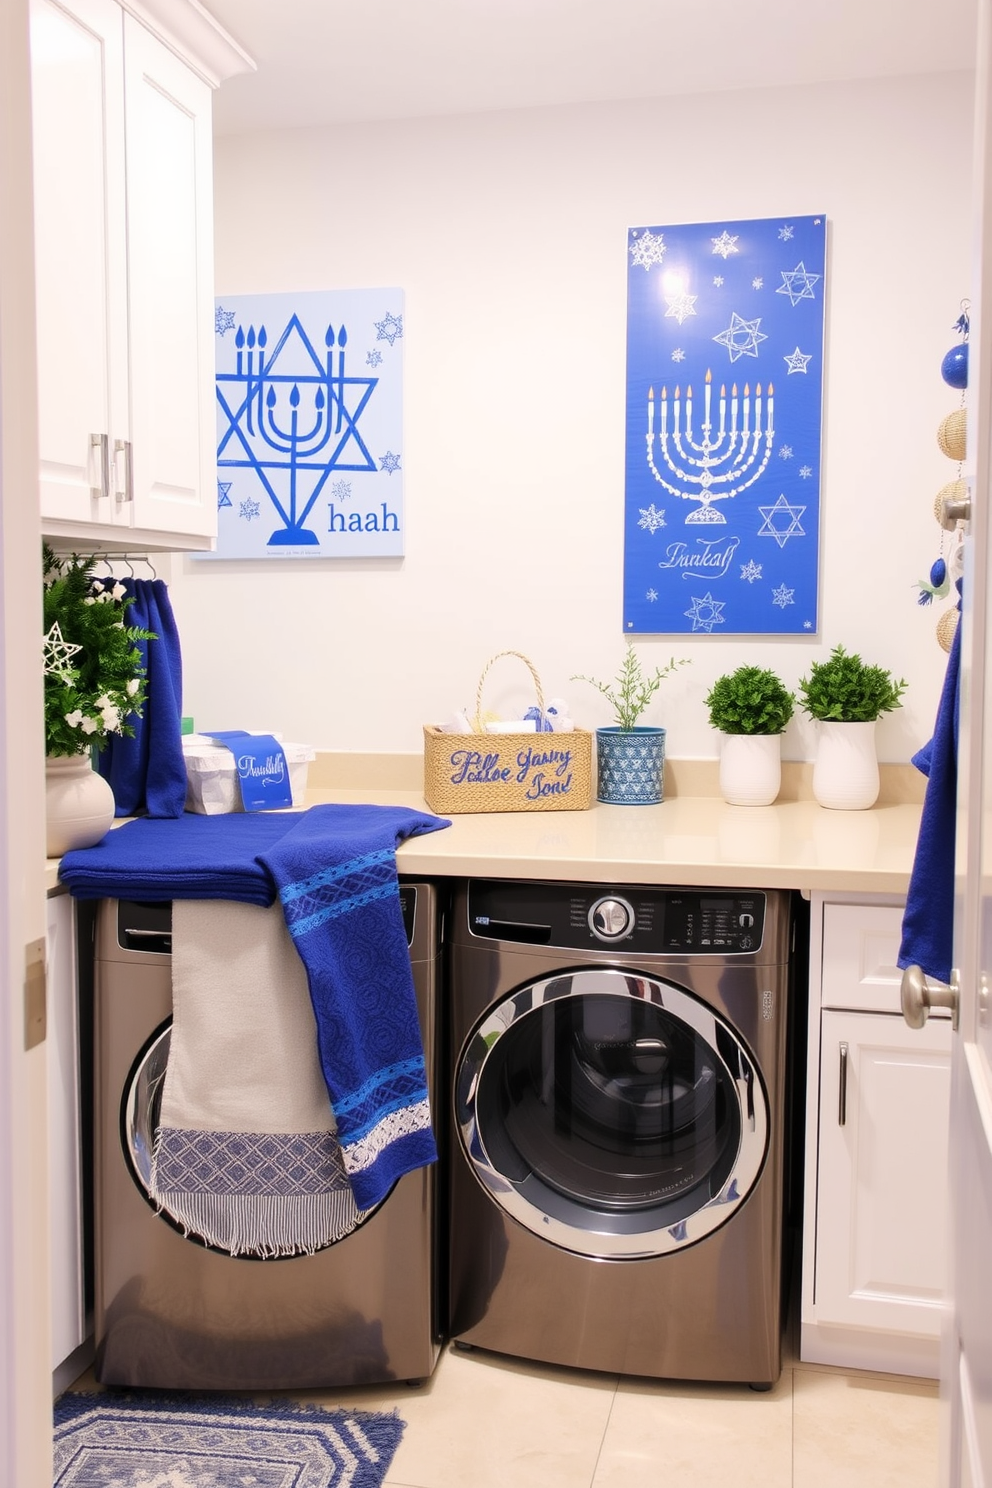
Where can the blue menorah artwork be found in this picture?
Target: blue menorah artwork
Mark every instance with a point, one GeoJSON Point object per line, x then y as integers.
{"type": "Point", "coordinates": [310, 424]}
{"type": "Point", "coordinates": [724, 397]}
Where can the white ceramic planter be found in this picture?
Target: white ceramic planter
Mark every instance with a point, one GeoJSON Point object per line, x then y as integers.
{"type": "Point", "coordinates": [845, 771]}
{"type": "Point", "coordinates": [79, 804]}
{"type": "Point", "coordinates": [750, 768]}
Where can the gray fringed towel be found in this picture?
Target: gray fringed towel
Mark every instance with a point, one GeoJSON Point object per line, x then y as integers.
{"type": "Point", "coordinates": [246, 1153]}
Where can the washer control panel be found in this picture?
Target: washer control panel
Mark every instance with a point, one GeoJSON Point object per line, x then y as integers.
{"type": "Point", "coordinates": [705, 922]}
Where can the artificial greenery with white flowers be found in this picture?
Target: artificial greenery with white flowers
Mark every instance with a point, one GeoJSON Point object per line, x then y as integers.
{"type": "Point", "coordinates": [94, 676]}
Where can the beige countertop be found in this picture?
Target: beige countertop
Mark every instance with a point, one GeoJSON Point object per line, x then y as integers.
{"type": "Point", "coordinates": [693, 837]}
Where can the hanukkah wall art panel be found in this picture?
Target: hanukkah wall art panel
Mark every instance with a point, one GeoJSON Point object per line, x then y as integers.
{"type": "Point", "coordinates": [724, 395]}
{"type": "Point", "coordinates": [310, 424]}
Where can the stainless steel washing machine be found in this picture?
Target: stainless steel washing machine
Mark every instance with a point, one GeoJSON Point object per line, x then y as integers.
{"type": "Point", "coordinates": [171, 1312]}
{"type": "Point", "coordinates": [617, 1156]}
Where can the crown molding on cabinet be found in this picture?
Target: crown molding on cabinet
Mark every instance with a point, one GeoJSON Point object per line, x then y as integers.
{"type": "Point", "coordinates": [188, 29]}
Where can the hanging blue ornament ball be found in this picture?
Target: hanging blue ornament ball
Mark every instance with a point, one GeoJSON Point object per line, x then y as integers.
{"type": "Point", "coordinates": [938, 573]}
{"type": "Point", "coordinates": [954, 367]}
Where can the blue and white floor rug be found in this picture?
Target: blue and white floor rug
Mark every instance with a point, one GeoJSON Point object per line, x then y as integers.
{"type": "Point", "coordinates": [169, 1439]}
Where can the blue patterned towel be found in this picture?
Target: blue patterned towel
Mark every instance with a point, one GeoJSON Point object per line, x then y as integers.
{"type": "Point", "coordinates": [336, 876]}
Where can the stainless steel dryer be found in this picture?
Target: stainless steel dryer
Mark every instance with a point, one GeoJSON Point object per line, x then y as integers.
{"type": "Point", "coordinates": [617, 1163]}
{"type": "Point", "coordinates": [172, 1313]}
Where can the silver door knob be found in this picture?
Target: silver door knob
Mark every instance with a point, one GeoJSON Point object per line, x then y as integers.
{"type": "Point", "coordinates": [920, 993]}
{"type": "Point", "coordinates": [954, 509]}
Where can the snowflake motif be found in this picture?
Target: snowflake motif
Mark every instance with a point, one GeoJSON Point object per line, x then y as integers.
{"type": "Point", "coordinates": [680, 306]}
{"type": "Point", "coordinates": [223, 320]}
{"type": "Point", "coordinates": [805, 471]}
{"type": "Point", "coordinates": [390, 329]}
{"type": "Point", "coordinates": [718, 280]}
{"type": "Point", "coordinates": [750, 570]}
{"type": "Point", "coordinates": [785, 453]}
{"type": "Point", "coordinates": [678, 355]}
{"type": "Point", "coordinates": [785, 233]}
{"type": "Point", "coordinates": [651, 595]}
{"type": "Point", "coordinates": [807, 625]}
{"type": "Point", "coordinates": [650, 248]}
{"type": "Point", "coordinates": [758, 283]}
{"type": "Point", "coordinates": [797, 361]}
{"type": "Point", "coordinates": [374, 357]}
{"type": "Point", "coordinates": [725, 244]}
{"type": "Point", "coordinates": [651, 518]}
{"type": "Point", "coordinates": [389, 462]}
{"type": "Point", "coordinates": [249, 510]}
{"type": "Point", "coordinates": [341, 490]}
{"type": "Point", "coordinates": [224, 494]}
{"type": "Point", "coordinates": [783, 596]}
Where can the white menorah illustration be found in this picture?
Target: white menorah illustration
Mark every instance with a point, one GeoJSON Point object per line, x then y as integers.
{"type": "Point", "coordinates": [716, 467]}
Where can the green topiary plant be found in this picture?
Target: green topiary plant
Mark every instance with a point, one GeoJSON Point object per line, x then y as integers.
{"type": "Point", "coordinates": [632, 689]}
{"type": "Point", "coordinates": [844, 689]}
{"type": "Point", "coordinates": [750, 700]}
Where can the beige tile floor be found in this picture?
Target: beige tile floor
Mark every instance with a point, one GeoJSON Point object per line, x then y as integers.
{"type": "Point", "coordinates": [483, 1421]}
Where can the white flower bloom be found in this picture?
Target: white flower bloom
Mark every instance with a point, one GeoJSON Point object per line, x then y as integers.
{"type": "Point", "coordinates": [103, 701]}
{"type": "Point", "coordinates": [96, 586]}
{"type": "Point", "coordinates": [90, 725]}
{"type": "Point", "coordinates": [133, 686]}
{"type": "Point", "coordinates": [90, 599]}
{"type": "Point", "coordinates": [75, 718]}
{"type": "Point", "coordinates": [118, 591]}
{"type": "Point", "coordinates": [111, 720]}
{"type": "Point", "coordinates": [106, 597]}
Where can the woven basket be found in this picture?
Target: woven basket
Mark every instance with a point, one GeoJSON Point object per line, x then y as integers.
{"type": "Point", "coordinates": [507, 772]}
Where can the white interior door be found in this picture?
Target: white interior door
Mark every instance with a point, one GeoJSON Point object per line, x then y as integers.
{"type": "Point", "coordinates": [967, 1363]}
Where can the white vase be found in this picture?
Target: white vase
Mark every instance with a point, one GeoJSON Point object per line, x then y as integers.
{"type": "Point", "coordinates": [845, 771]}
{"type": "Point", "coordinates": [79, 804]}
{"type": "Point", "coordinates": [750, 768]}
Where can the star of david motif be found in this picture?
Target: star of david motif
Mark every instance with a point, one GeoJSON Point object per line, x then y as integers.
{"type": "Point", "coordinates": [783, 596]}
{"type": "Point", "coordinates": [389, 462]}
{"type": "Point", "coordinates": [291, 416]}
{"type": "Point", "coordinates": [224, 494]}
{"type": "Point", "coordinates": [798, 284]}
{"type": "Point", "coordinates": [725, 244]}
{"type": "Point", "coordinates": [741, 337]}
{"type": "Point", "coordinates": [774, 514]}
{"type": "Point", "coordinates": [705, 612]}
{"type": "Point", "coordinates": [223, 320]}
{"type": "Point", "coordinates": [390, 328]}
{"type": "Point", "coordinates": [58, 654]}
{"type": "Point", "coordinates": [680, 306]}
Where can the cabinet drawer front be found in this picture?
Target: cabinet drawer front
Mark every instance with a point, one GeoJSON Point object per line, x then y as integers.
{"type": "Point", "coordinates": [860, 949]}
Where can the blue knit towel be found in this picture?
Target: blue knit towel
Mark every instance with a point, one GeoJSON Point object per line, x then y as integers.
{"type": "Point", "coordinates": [336, 876]}
{"type": "Point", "coordinates": [928, 919]}
{"type": "Point", "coordinates": [148, 772]}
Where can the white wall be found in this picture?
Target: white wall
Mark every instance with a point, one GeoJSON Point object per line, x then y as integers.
{"type": "Point", "coordinates": [508, 234]}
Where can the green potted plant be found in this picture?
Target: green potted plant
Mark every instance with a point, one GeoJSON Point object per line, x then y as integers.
{"type": "Point", "coordinates": [93, 682]}
{"type": "Point", "coordinates": [847, 696]}
{"type": "Point", "coordinates": [630, 757]}
{"type": "Point", "coordinates": [750, 708]}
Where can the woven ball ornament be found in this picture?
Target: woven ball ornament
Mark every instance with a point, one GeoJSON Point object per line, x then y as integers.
{"type": "Point", "coordinates": [956, 490]}
{"type": "Point", "coordinates": [946, 626]}
{"type": "Point", "coordinates": [951, 435]}
{"type": "Point", "coordinates": [954, 367]}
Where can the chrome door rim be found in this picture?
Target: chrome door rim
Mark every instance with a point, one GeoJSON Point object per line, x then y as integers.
{"type": "Point", "coordinates": [632, 1235]}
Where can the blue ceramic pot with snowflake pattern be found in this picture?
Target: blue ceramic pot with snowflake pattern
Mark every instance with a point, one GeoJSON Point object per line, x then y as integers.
{"type": "Point", "coordinates": [630, 766]}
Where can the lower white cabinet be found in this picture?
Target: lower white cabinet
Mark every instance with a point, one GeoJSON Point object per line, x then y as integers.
{"type": "Point", "coordinates": [874, 1246]}
{"type": "Point", "coordinates": [64, 1136]}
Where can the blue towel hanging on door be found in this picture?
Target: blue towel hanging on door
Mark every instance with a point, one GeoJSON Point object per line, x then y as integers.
{"type": "Point", "coordinates": [147, 773]}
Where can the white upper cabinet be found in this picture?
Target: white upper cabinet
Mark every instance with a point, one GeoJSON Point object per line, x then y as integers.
{"type": "Point", "coordinates": [124, 278]}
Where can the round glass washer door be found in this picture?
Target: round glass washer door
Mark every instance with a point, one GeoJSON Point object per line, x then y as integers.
{"type": "Point", "coordinates": [614, 1115]}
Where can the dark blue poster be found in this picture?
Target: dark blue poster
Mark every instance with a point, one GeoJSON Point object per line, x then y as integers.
{"type": "Point", "coordinates": [724, 393]}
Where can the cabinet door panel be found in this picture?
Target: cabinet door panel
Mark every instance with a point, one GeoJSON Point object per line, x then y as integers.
{"type": "Point", "coordinates": [881, 1181]}
{"type": "Point", "coordinates": [80, 267]}
{"type": "Point", "coordinates": [64, 1148]}
{"type": "Point", "coordinates": [170, 246]}
{"type": "Point", "coordinates": [860, 946]}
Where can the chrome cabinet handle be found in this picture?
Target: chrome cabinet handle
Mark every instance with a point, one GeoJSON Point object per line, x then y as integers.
{"type": "Point", "coordinates": [101, 442]}
{"type": "Point", "coordinates": [842, 1098]}
{"type": "Point", "coordinates": [123, 446]}
{"type": "Point", "coordinates": [919, 993]}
